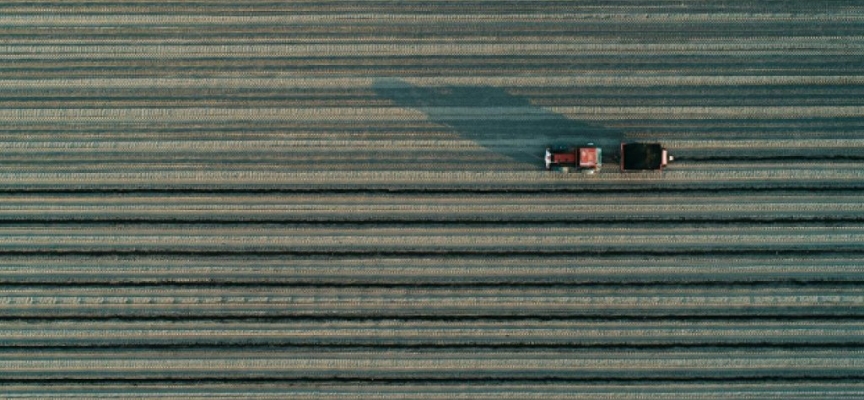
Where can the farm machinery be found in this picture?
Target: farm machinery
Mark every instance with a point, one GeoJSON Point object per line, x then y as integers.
{"type": "Point", "coordinates": [644, 157]}
{"type": "Point", "coordinates": [633, 157]}
{"type": "Point", "coordinates": [587, 159]}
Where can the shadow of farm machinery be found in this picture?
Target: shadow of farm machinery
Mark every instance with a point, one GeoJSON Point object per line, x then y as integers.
{"type": "Point", "coordinates": [503, 123]}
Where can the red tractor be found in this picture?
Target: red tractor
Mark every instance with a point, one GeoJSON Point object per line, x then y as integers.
{"type": "Point", "coordinates": [587, 159]}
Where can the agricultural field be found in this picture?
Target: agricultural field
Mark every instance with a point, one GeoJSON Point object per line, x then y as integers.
{"type": "Point", "coordinates": [347, 199]}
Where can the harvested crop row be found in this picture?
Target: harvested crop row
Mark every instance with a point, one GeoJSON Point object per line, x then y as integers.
{"type": "Point", "coordinates": [515, 82]}
{"type": "Point", "coordinates": [233, 200]}
{"type": "Point", "coordinates": [736, 46]}
{"type": "Point", "coordinates": [39, 91]}
{"type": "Point", "coordinates": [363, 114]}
{"type": "Point", "coordinates": [428, 180]}
{"type": "Point", "coordinates": [528, 133]}
{"type": "Point", "coordinates": [643, 365]}
{"type": "Point", "coordinates": [302, 302]}
{"type": "Point", "coordinates": [715, 162]}
{"type": "Point", "coordinates": [359, 143]}
{"type": "Point", "coordinates": [432, 239]}
{"type": "Point", "coordinates": [264, 270]}
{"type": "Point", "coordinates": [441, 390]}
{"type": "Point", "coordinates": [430, 334]}
{"type": "Point", "coordinates": [337, 207]}
{"type": "Point", "coordinates": [428, 161]}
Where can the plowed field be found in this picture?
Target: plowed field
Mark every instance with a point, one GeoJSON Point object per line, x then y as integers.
{"type": "Point", "coordinates": [347, 199]}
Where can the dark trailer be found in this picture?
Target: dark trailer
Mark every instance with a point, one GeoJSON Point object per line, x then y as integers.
{"type": "Point", "coordinates": [643, 157]}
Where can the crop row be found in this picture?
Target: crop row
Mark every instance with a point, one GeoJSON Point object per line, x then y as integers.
{"type": "Point", "coordinates": [432, 334]}
{"type": "Point", "coordinates": [591, 302]}
{"type": "Point", "coordinates": [350, 145]}
{"type": "Point", "coordinates": [516, 239]}
{"type": "Point", "coordinates": [257, 389]}
{"type": "Point", "coordinates": [544, 209]}
{"type": "Point", "coordinates": [416, 364]}
{"type": "Point", "coordinates": [425, 270]}
{"type": "Point", "coordinates": [429, 180]}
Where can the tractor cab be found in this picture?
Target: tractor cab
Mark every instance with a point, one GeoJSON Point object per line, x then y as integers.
{"type": "Point", "coordinates": [588, 159]}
